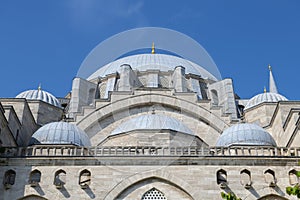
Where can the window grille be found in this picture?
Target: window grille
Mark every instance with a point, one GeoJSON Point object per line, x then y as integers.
{"type": "Point", "coordinates": [154, 194]}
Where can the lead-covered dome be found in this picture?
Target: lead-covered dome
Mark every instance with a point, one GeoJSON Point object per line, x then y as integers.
{"type": "Point", "coordinates": [136, 40]}
{"type": "Point", "coordinates": [39, 95]}
{"type": "Point", "coordinates": [152, 122]}
{"type": "Point", "coordinates": [60, 133]}
{"type": "Point", "coordinates": [245, 135]}
{"type": "Point", "coordinates": [265, 97]}
{"type": "Point", "coordinates": [144, 62]}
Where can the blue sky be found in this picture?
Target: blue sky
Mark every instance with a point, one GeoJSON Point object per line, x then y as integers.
{"type": "Point", "coordinates": [43, 41]}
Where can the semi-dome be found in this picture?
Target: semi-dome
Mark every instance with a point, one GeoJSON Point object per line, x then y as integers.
{"type": "Point", "coordinates": [152, 122]}
{"type": "Point", "coordinates": [144, 62]}
{"type": "Point", "coordinates": [39, 95]}
{"type": "Point", "coordinates": [265, 97]}
{"type": "Point", "coordinates": [60, 133]}
{"type": "Point", "coordinates": [245, 135]}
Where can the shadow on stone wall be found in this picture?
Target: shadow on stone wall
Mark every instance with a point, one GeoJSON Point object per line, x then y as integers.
{"type": "Point", "coordinates": [64, 192]}
{"type": "Point", "coordinates": [39, 190]}
{"type": "Point", "coordinates": [89, 192]}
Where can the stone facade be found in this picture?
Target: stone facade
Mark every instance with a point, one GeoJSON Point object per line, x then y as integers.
{"type": "Point", "coordinates": [178, 176]}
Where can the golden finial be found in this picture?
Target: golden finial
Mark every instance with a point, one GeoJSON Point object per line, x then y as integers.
{"type": "Point", "coordinates": [153, 48]}
{"type": "Point", "coordinates": [40, 87]}
{"type": "Point", "coordinates": [265, 90]}
{"type": "Point", "coordinates": [270, 68]}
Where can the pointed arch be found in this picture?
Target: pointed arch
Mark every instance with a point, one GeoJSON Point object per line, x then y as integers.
{"type": "Point", "coordinates": [84, 178]}
{"type": "Point", "coordinates": [9, 178]}
{"type": "Point", "coordinates": [164, 176]}
{"type": "Point", "coordinates": [245, 178]}
{"type": "Point", "coordinates": [34, 177]}
{"type": "Point", "coordinates": [59, 178]}
{"type": "Point", "coordinates": [221, 176]}
{"type": "Point", "coordinates": [272, 197]}
{"type": "Point", "coordinates": [33, 197]}
{"type": "Point", "coordinates": [293, 178]}
{"type": "Point", "coordinates": [146, 99]}
{"type": "Point", "coordinates": [270, 177]}
{"type": "Point", "coordinates": [111, 112]}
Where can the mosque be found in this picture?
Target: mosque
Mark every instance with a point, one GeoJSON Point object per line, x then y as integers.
{"type": "Point", "coordinates": [151, 125]}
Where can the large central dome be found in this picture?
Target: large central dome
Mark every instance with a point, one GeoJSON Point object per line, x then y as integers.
{"type": "Point", "coordinates": [144, 62]}
{"type": "Point", "coordinates": [105, 54]}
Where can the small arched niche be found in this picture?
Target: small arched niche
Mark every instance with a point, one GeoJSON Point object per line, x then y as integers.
{"type": "Point", "coordinates": [270, 178]}
{"type": "Point", "coordinates": [84, 178]}
{"type": "Point", "coordinates": [34, 178]}
{"type": "Point", "coordinates": [222, 178]}
{"type": "Point", "coordinates": [245, 178]}
{"type": "Point", "coordinates": [59, 178]}
{"type": "Point", "coordinates": [9, 178]}
{"type": "Point", "coordinates": [293, 178]}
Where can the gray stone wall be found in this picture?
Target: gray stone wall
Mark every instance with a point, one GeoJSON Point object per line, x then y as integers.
{"type": "Point", "coordinates": [261, 114]}
{"type": "Point", "coordinates": [25, 116]}
{"type": "Point", "coordinates": [45, 113]}
{"type": "Point", "coordinates": [14, 125]}
{"type": "Point", "coordinates": [222, 94]}
{"type": "Point", "coordinates": [6, 136]}
{"type": "Point", "coordinates": [131, 181]}
{"type": "Point", "coordinates": [83, 93]}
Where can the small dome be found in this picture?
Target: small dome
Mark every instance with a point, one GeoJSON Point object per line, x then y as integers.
{"type": "Point", "coordinates": [60, 133]}
{"type": "Point", "coordinates": [265, 97]}
{"type": "Point", "coordinates": [152, 122]}
{"type": "Point", "coordinates": [39, 95]}
{"type": "Point", "coordinates": [246, 135]}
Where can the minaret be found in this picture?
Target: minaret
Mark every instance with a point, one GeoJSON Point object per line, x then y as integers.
{"type": "Point", "coordinates": [272, 84]}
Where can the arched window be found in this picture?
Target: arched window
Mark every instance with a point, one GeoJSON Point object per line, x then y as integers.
{"type": "Point", "coordinates": [34, 177]}
{"type": "Point", "coordinates": [153, 194]}
{"type": "Point", "coordinates": [293, 178]}
{"type": "Point", "coordinates": [59, 178]}
{"type": "Point", "coordinates": [9, 178]}
{"type": "Point", "coordinates": [246, 178]}
{"type": "Point", "coordinates": [214, 97]}
{"type": "Point", "coordinates": [84, 178]}
{"type": "Point", "coordinates": [222, 178]}
{"type": "Point", "coordinates": [270, 177]}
